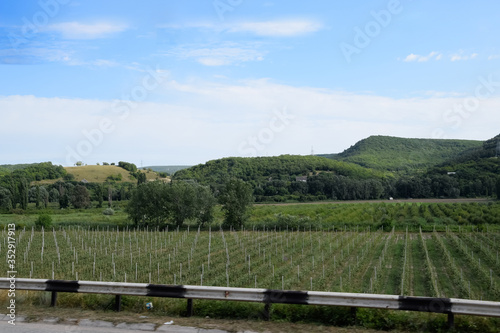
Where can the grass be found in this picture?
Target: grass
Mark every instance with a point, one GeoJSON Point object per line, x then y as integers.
{"type": "Point", "coordinates": [100, 173]}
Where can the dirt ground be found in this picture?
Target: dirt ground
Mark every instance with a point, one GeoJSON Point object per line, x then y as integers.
{"type": "Point", "coordinates": [34, 314]}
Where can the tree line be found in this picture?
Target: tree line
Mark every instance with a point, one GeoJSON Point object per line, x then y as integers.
{"type": "Point", "coordinates": [157, 203]}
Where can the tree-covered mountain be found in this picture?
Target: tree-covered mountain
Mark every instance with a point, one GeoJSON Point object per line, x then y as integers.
{"type": "Point", "coordinates": [474, 164]}
{"type": "Point", "coordinates": [284, 167]}
{"type": "Point", "coordinates": [472, 173]}
{"type": "Point", "coordinates": [291, 177]}
{"type": "Point", "coordinates": [403, 155]}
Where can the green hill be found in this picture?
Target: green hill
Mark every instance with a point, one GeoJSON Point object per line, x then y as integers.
{"type": "Point", "coordinates": [264, 169]}
{"type": "Point", "coordinates": [403, 155]}
{"type": "Point", "coordinates": [474, 164]}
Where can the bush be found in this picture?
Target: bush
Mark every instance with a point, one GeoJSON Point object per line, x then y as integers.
{"type": "Point", "coordinates": [44, 220]}
{"type": "Point", "coordinates": [109, 211]}
{"type": "Point", "coordinates": [69, 177]}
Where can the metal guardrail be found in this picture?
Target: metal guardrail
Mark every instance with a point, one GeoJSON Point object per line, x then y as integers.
{"type": "Point", "coordinates": [449, 306]}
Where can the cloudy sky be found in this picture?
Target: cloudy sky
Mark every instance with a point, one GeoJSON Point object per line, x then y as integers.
{"type": "Point", "coordinates": [165, 82]}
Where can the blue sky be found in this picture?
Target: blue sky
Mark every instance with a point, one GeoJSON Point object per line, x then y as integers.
{"type": "Point", "coordinates": [183, 82]}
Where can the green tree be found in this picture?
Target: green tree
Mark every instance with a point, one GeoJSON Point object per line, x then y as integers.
{"type": "Point", "coordinates": [204, 205]}
{"type": "Point", "coordinates": [54, 195]}
{"type": "Point", "coordinates": [181, 199]}
{"type": "Point", "coordinates": [23, 193]}
{"type": "Point", "coordinates": [141, 178]}
{"type": "Point", "coordinates": [148, 204]}
{"type": "Point", "coordinates": [99, 193]}
{"type": "Point", "coordinates": [236, 198]}
{"type": "Point", "coordinates": [64, 199]}
{"type": "Point", "coordinates": [5, 199]}
{"type": "Point", "coordinates": [38, 196]}
{"type": "Point", "coordinates": [80, 197]}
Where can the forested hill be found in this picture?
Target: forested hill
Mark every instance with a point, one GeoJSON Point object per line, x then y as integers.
{"type": "Point", "coordinates": [474, 164]}
{"type": "Point", "coordinates": [30, 172]}
{"type": "Point", "coordinates": [259, 169]}
{"type": "Point", "coordinates": [402, 154]}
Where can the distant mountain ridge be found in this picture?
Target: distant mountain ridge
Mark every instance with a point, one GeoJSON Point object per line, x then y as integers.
{"type": "Point", "coordinates": [171, 169]}
{"type": "Point", "coordinates": [402, 154]}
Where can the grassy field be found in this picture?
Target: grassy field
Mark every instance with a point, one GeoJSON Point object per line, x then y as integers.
{"type": "Point", "coordinates": [99, 174]}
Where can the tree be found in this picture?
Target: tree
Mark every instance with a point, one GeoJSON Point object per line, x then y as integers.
{"type": "Point", "coordinates": [204, 206]}
{"type": "Point", "coordinates": [236, 198]}
{"type": "Point", "coordinates": [181, 199]}
{"type": "Point", "coordinates": [63, 196]}
{"type": "Point", "coordinates": [99, 193]}
{"type": "Point", "coordinates": [38, 197]}
{"type": "Point", "coordinates": [80, 197]}
{"type": "Point", "coordinates": [5, 199]}
{"type": "Point", "coordinates": [23, 192]}
{"type": "Point", "coordinates": [44, 196]}
{"type": "Point", "coordinates": [54, 195]}
{"type": "Point", "coordinates": [153, 203]}
{"type": "Point", "coordinates": [141, 178]}
{"type": "Point", "coordinates": [110, 196]}
{"type": "Point", "coordinates": [148, 204]}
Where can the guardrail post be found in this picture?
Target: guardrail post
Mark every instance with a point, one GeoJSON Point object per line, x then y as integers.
{"type": "Point", "coordinates": [118, 303]}
{"type": "Point", "coordinates": [451, 320]}
{"type": "Point", "coordinates": [354, 315]}
{"type": "Point", "coordinates": [267, 311]}
{"type": "Point", "coordinates": [53, 299]}
{"type": "Point", "coordinates": [189, 307]}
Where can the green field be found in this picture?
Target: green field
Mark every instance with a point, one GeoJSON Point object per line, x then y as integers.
{"type": "Point", "coordinates": [349, 247]}
{"type": "Point", "coordinates": [450, 215]}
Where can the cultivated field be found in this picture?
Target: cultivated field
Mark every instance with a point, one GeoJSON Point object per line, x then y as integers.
{"type": "Point", "coordinates": [444, 264]}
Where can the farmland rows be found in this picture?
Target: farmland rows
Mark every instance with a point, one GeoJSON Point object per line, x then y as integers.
{"type": "Point", "coordinates": [450, 264]}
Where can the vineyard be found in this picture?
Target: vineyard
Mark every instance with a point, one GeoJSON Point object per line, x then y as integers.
{"type": "Point", "coordinates": [454, 216]}
{"type": "Point", "coordinates": [462, 264]}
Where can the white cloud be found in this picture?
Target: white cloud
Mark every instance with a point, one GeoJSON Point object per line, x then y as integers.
{"type": "Point", "coordinates": [461, 56]}
{"type": "Point", "coordinates": [77, 30]}
{"type": "Point", "coordinates": [419, 58]}
{"type": "Point", "coordinates": [220, 55]}
{"type": "Point", "coordinates": [271, 28]}
{"type": "Point", "coordinates": [202, 120]}
{"type": "Point", "coordinates": [494, 56]}
{"type": "Point", "coordinates": [434, 55]}
{"type": "Point", "coordinates": [278, 28]}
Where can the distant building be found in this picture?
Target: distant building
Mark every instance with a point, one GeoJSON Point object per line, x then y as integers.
{"type": "Point", "coordinates": [452, 173]}
{"type": "Point", "coordinates": [301, 179]}
{"type": "Point", "coordinates": [85, 181]}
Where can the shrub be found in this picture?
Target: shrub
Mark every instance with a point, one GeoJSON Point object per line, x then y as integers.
{"type": "Point", "coordinates": [44, 220]}
{"type": "Point", "coordinates": [109, 211]}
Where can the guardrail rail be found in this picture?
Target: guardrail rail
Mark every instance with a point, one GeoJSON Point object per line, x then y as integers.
{"type": "Point", "coordinates": [449, 306]}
